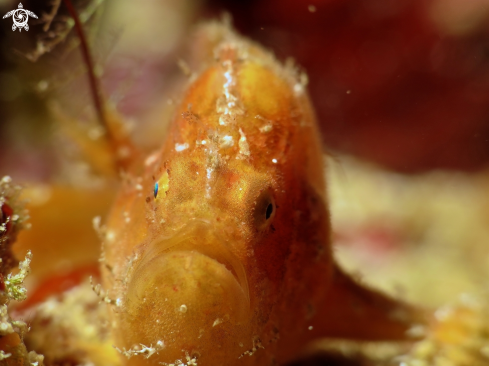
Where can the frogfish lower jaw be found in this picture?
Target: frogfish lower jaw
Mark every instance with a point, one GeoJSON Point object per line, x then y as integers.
{"type": "Point", "coordinates": [175, 282]}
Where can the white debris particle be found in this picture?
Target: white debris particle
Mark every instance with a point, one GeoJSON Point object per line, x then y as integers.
{"type": "Point", "coordinates": [103, 295]}
{"type": "Point", "coordinates": [310, 327]}
{"type": "Point", "coordinates": [99, 228]}
{"type": "Point", "coordinates": [141, 349]}
{"type": "Point", "coordinates": [228, 105]}
{"type": "Point", "coordinates": [181, 147]}
{"type": "Point", "coordinates": [35, 359]}
{"type": "Point", "coordinates": [311, 8]}
{"type": "Point", "coordinates": [300, 86]}
{"type": "Point", "coordinates": [4, 355]}
{"type": "Point", "coordinates": [267, 127]}
{"type": "Point", "coordinates": [348, 92]}
{"type": "Point", "coordinates": [191, 361]}
{"type": "Point", "coordinates": [183, 308]}
{"type": "Point", "coordinates": [217, 322]}
{"type": "Point", "coordinates": [244, 147]}
{"type": "Point", "coordinates": [204, 142]}
{"type": "Point", "coordinates": [256, 345]}
{"type": "Point", "coordinates": [226, 141]}
{"type": "Point", "coordinates": [274, 161]}
{"type": "Point", "coordinates": [5, 326]}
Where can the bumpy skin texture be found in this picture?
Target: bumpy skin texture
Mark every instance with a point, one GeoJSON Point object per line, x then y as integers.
{"type": "Point", "coordinates": [233, 256]}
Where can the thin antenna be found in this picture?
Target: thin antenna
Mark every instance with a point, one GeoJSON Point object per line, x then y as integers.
{"type": "Point", "coordinates": [94, 86]}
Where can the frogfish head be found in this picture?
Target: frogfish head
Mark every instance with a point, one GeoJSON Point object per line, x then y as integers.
{"type": "Point", "coordinates": [217, 248]}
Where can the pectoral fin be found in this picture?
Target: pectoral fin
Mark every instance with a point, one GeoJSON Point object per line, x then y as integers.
{"type": "Point", "coordinates": [354, 311]}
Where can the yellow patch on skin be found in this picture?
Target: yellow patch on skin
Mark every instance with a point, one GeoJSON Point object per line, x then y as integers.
{"type": "Point", "coordinates": [273, 91]}
{"type": "Point", "coordinates": [163, 186]}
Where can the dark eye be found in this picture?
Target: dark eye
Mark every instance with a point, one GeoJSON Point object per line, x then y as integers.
{"type": "Point", "coordinates": [264, 210]}
{"type": "Point", "coordinates": [269, 212]}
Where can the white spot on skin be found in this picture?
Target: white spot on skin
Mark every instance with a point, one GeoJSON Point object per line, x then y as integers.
{"type": "Point", "coordinates": [151, 159]}
{"type": "Point", "coordinates": [274, 161]}
{"type": "Point", "coordinates": [298, 88]}
{"type": "Point", "coordinates": [310, 327]}
{"type": "Point", "coordinates": [181, 147]}
{"type": "Point", "coordinates": [311, 8]}
{"type": "Point", "coordinates": [110, 236]}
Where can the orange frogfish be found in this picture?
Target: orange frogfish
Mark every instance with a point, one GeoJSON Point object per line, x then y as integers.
{"type": "Point", "coordinates": [218, 249]}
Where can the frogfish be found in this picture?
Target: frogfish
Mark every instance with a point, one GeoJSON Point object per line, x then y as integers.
{"type": "Point", "coordinates": [218, 248]}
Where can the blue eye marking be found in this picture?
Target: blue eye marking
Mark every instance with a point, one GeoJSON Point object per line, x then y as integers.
{"type": "Point", "coordinates": [155, 192]}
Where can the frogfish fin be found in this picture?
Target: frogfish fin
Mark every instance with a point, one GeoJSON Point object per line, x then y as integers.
{"type": "Point", "coordinates": [352, 310]}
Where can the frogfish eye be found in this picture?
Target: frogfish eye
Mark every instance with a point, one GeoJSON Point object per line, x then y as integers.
{"type": "Point", "coordinates": [269, 212]}
{"type": "Point", "coordinates": [264, 210]}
